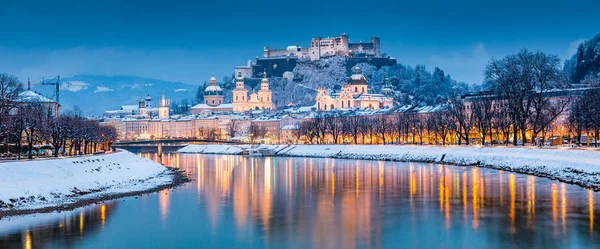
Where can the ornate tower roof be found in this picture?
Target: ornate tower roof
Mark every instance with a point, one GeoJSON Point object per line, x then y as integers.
{"type": "Point", "coordinates": [357, 77]}
{"type": "Point", "coordinates": [213, 89]}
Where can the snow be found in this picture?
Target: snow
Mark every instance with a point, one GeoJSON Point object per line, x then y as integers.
{"type": "Point", "coordinates": [32, 97]}
{"type": "Point", "coordinates": [579, 166]}
{"type": "Point", "coordinates": [213, 88]}
{"type": "Point", "coordinates": [103, 89]}
{"type": "Point", "coordinates": [55, 182]}
{"type": "Point", "coordinates": [74, 86]}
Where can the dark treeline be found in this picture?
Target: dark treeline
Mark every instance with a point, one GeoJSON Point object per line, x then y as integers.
{"type": "Point", "coordinates": [33, 124]}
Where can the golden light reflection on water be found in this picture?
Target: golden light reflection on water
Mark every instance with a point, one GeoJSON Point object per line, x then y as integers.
{"type": "Point", "coordinates": [103, 214]}
{"type": "Point", "coordinates": [27, 244]}
{"type": "Point", "coordinates": [341, 201]}
{"type": "Point", "coordinates": [163, 203]}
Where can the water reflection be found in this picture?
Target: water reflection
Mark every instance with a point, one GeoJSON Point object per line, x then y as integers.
{"type": "Point", "coordinates": [61, 229]}
{"type": "Point", "coordinates": [326, 203]}
{"type": "Point", "coordinates": [236, 201]}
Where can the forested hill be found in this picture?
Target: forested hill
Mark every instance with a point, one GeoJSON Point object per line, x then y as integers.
{"type": "Point", "coordinates": [423, 86]}
{"type": "Point", "coordinates": [428, 87]}
{"type": "Point", "coordinates": [586, 61]}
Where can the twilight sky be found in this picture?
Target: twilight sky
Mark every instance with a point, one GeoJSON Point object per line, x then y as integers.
{"type": "Point", "coordinates": [188, 40]}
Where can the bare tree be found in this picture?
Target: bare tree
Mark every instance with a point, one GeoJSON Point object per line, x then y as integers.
{"type": "Point", "coordinates": [440, 122]}
{"type": "Point", "coordinates": [256, 132]}
{"type": "Point", "coordinates": [482, 111]}
{"type": "Point", "coordinates": [525, 81]}
{"type": "Point", "coordinates": [333, 127]}
{"type": "Point", "coordinates": [381, 126]}
{"type": "Point", "coordinates": [233, 127]}
{"type": "Point", "coordinates": [9, 92]}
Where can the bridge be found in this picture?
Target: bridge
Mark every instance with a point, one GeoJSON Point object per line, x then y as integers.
{"type": "Point", "coordinates": [172, 143]}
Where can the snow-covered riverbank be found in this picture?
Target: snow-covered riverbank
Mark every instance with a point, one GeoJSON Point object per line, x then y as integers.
{"type": "Point", "coordinates": [44, 185]}
{"type": "Point", "coordinates": [580, 167]}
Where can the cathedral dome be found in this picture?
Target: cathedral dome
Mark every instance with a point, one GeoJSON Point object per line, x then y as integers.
{"type": "Point", "coordinates": [213, 90]}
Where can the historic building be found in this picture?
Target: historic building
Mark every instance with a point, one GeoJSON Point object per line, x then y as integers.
{"type": "Point", "coordinates": [144, 108]}
{"type": "Point", "coordinates": [329, 46]}
{"type": "Point", "coordinates": [354, 94]}
{"type": "Point", "coordinates": [255, 101]}
{"type": "Point", "coordinates": [30, 97]}
{"type": "Point", "coordinates": [213, 100]}
{"type": "Point", "coordinates": [276, 62]}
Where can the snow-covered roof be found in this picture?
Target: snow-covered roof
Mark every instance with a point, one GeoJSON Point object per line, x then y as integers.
{"type": "Point", "coordinates": [129, 107]}
{"type": "Point", "coordinates": [358, 76]}
{"type": "Point", "coordinates": [33, 97]}
{"type": "Point", "coordinates": [213, 88]}
{"type": "Point", "coordinates": [205, 106]}
{"type": "Point", "coordinates": [269, 119]}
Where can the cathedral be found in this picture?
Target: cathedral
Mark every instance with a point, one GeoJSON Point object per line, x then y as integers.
{"type": "Point", "coordinates": [256, 101]}
{"type": "Point", "coordinates": [354, 94]}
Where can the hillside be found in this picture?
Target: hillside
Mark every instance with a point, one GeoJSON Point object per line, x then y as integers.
{"type": "Point", "coordinates": [94, 94]}
{"type": "Point", "coordinates": [586, 61]}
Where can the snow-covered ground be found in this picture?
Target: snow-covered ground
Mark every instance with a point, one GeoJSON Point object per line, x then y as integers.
{"type": "Point", "coordinates": [581, 167]}
{"type": "Point", "coordinates": [31, 185]}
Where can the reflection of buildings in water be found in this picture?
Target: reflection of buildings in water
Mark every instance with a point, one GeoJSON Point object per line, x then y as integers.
{"type": "Point", "coordinates": [61, 231]}
{"type": "Point", "coordinates": [338, 202]}
{"type": "Point", "coordinates": [164, 200]}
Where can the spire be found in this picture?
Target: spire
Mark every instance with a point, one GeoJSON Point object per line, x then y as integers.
{"type": "Point", "coordinates": [28, 84]}
{"type": "Point", "coordinates": [265, 74]}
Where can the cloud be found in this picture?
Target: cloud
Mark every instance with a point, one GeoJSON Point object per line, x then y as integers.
{"type": "Point", "coordinates": [103, 89]}
{"type": "Point", "coordinates": [572, 48]}
{"type": "Point", "coordinates": [465, 65]}
{"type": "Point", "coordinates": [74, 86]}
{"type": "Point", "coordinates": [180, 90]}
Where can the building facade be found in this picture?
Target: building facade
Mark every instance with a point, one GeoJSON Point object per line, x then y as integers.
{"type": "Point", "coordinates": [327, 47]}
{"type": "Point", "coordinates": [213, 100]}
{"type": "Point", "coordinates": [255, 101]}
{"type": "Point", "coordinates": [354, 94]}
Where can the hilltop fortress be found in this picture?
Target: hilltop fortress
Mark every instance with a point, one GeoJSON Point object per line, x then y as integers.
{"type": "Point", "coordinates": [326, 47]}
{"type": "Point", "coordinates": [276, 62]}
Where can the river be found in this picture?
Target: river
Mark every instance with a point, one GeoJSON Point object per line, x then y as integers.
{"type": "Point", "coordinates": [243, 202]}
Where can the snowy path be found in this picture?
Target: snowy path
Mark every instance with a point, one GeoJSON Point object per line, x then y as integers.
{"type": "Point", "coordinates": [580, 167]}
{"type": "Point", "coordinates": [33, 185]}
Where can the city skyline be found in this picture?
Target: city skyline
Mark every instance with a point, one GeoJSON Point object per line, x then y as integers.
{"type": "Point", "coordinates": [187, 41]}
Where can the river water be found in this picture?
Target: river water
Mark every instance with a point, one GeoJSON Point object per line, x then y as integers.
{"type": "Point", "coordinates": [243, 202]}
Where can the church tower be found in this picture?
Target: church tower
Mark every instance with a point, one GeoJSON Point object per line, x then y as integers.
{"type": "Point", "coordinates": [240, 94]}
{"type": "Point", "coordinates": [213, 94]}
{"type": "Point", "coordinates": [387, 89]}
{"type": "Point", "coordinates": [163, 108]}
{"type": "Point", "coordinates": [142, 108]}
{"type": "Point", "coordinates": [264, 94]}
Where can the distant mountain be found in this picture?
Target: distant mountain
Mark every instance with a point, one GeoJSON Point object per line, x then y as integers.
{"type": "Point", "coordinates": [94, 94]}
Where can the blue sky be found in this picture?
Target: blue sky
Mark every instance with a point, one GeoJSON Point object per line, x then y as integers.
{"type": "Point", "coordinates": [188, 40]}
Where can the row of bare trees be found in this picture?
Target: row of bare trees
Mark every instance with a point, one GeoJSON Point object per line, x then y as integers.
{"type": "Point", "coordinates": [485, 117]}
{"type": "Point", "coordinates": [34, 124]}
